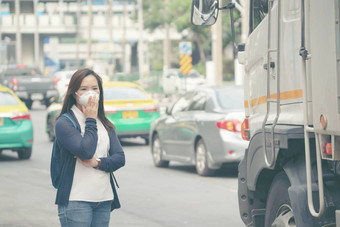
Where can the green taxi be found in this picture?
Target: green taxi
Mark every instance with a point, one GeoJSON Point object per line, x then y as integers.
{"type": "Point", "coordinates": [16, 128]}
{"type": "Point", "coordinates": [130, 108]}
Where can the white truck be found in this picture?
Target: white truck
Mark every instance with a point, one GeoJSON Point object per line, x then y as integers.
{"type": "Point", "coordinates": [290, 174]}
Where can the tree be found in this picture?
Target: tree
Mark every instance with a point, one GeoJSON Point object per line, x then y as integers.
{"type": "Point", "coordinates": [179, 17]}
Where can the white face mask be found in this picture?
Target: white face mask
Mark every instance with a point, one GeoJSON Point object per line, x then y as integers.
{"type": "Point", "coordinates": [84, 98]}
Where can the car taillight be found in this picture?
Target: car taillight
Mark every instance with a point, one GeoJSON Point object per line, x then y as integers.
{"type": "Point", "coordinates": [21, 66]}
{"type": "Point", "coordinates": [55, 81]}
{"type": "Point", "coordinates": [230, 125]}
{"type": "Point", "coordinates": [25, 116]}
{"type": "Point", "coordinates": [245, 129]}
{"type": "Point", "coordinates": [15, 84]}
{"type": "Point", "coordinates": [153, 109]}
{"type": "Point", "coordinates": [15, 81]}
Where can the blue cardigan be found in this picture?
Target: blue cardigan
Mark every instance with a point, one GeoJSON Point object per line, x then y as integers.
{"type": "Point", "coordinates": [72, 143]}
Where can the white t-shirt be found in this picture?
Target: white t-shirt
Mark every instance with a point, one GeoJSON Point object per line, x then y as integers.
{"type": "Point", "coordinates": [90, 184]}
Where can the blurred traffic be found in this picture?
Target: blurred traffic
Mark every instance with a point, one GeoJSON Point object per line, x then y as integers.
{"type": "Point", "coordinates": [28, 83]}
{"type": "Point", "coordinates": [162, 86]}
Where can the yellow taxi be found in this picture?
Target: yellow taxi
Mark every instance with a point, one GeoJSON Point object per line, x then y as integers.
{"type": "Point", "coordinates": [16, 128]}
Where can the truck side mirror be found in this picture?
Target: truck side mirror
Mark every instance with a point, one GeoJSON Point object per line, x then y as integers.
{"type": "Point", "coordinates": [204, 12]}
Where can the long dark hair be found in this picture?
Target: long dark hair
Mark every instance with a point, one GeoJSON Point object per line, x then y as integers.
{"type": "Point", "coordinates": [74, 85]}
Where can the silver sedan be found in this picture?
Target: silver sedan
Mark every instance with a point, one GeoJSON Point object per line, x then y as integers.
{"type": "Point", "coordinates": [201, 128]}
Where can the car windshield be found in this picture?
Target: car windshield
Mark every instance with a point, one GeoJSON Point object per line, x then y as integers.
{"type": "Point", "coordinates": [123, 93]}
{"type": "Point", "coordinates": [22, 72]}
{"type": "Point", "coordinates": [7, 99]}
{"type": "Point", "coordinates": [230, 98]}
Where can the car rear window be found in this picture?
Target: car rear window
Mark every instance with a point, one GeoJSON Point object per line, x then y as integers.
{"type": "Point", "coordinates": [123, 93]}
{"type": "Point", "coordinates": [7, 99]}
{"type": "Point", "coordinates": [22, 72]}
{"type": "Point", "coordinates": [231, 98]}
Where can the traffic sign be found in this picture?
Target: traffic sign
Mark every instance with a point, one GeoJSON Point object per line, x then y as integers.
{"type": "Point", "coordinates": [185, 48]}
{"type": "Point", "coordinates": [185, 63]}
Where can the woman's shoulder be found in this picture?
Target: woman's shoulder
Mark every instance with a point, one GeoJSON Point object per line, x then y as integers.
{"type": "Point", "coordinates": [66, 118]}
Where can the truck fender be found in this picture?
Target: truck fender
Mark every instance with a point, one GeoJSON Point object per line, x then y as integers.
{"type": "Point", "coordinates": [255, 176]}
{"type": "Point", "coordinates": [296, 172]}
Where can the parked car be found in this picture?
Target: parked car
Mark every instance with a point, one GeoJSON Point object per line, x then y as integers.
{"type": "Point", "coordinates": [202, 128]}
{"type": "Point", "coordinates": [28, 83]}
{"type": "Point", "coordinates": [63, 79]}
{"type": "Point", "coordinates": [16, 128]}
{"type": "Point", "coordinates": [126, 105]}
{"type": "Point", "coordinates": [173, 81]}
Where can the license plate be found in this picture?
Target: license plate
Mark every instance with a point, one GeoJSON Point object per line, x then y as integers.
{"type": "Point", "coordinates": [1, 121]}
{"type": "Point", "coordinates": [130, 114]}
{"type": "Point", "coordinates": [35, 96]}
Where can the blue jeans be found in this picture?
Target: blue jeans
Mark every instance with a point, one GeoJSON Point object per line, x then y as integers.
{"type": "Point", "coordinates": [83, 214]}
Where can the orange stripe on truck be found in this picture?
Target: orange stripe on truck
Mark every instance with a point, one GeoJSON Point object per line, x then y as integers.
{"type": "Point", "coordinates": [295, 94]}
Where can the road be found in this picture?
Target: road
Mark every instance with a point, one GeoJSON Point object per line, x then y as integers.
{"type": "Point", "coordinates": [150, 196]}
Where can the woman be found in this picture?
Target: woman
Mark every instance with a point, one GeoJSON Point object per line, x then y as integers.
{"type": "Point", "coordinates": [90, 152]}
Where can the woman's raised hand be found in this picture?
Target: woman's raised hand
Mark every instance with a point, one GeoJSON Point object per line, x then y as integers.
{"type": "Point", "coordinates": [91, 109]}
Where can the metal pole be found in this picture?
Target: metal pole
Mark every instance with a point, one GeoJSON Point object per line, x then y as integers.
{"type": "Point", "coordinates": [217, 50]}
{"type": "Point", "coordinates": [140, 39]}
{"type": "Point", "coordinates": [77, 35]}
{"type": "Point", "coordinates": [18, 33]}
{"type": "Point", "coordinates": [239, 69]}
{"type": "Point", "coordinates": [36, 34]}
{"type": "Point", "coordinates": [110, 25]}
{"type": "Point", "coordinates": [89, 37]}
{"type": "Point", "coordinates": [61, 11]}
{"type": "Point", "coordinates": [124, 37]}
{"type": "Point", "coordinates": [1, 52]}
{"type": "Point", "coordinates": [166, 44]}
{"type": "Point", "coordinates": [111, 66]}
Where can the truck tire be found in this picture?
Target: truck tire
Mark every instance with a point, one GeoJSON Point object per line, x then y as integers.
{"type": "Point", "coordinates": [202, 160]}
{"type": "Point", "coordinates": [278, 207]}
{"type": "Point", "coordinates": [157, 153]}
{"type": "Point", "coordinates": [146, 141]}
{"type": "Point", "coordinates": [25, 153]}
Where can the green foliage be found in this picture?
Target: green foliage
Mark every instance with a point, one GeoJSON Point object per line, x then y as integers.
{"type": "Point", "coordinates": [228, 69]}
{"type": "Point", "coordinates": [153, 14]}
{"type": "Point", "coordinates": [178, 15]}
{"type": "Point", "coordinates": [156, 55]}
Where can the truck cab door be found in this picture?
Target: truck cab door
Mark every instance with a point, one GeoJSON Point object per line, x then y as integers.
{"type": "Point", "coordinates": [261, 58]}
